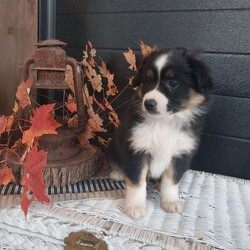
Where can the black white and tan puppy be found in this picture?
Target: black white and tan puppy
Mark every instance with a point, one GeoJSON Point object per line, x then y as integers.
{"type": "Point", "coordinates": [160, 130]}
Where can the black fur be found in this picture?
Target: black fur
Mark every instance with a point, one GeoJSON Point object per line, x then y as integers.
{"type": "Point", "coordinates": [189, 74]}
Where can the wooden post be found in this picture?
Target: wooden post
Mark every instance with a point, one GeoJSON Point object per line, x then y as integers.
{"type": "Point", "coordinates": [18, 35]}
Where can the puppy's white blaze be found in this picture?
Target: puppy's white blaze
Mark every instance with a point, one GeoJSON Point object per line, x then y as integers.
{"type": "Point", "coordinates": [160, 62]}
{"type": "Point", "coordinates": [161, 100]}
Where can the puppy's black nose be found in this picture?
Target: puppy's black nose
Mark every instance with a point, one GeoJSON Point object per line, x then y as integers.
{"type": "Point", "coordinates": [150, 105]}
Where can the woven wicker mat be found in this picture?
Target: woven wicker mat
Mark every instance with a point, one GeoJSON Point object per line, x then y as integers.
{"type": "Point", "coordinates": [216, 215]}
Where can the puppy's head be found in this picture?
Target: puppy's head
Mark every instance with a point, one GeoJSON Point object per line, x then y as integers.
{"type": "Point", "coordinates": [172, 80]}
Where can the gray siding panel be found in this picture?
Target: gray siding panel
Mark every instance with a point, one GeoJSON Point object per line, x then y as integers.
{"type": "Point", "coordinates": [214, 31]}
{"type": "Point", "coordinates": [100, 6]}
{"type": "Point", "coordinates": [229, 116]}
{"type": "Point", "coordinates": [223, 155]}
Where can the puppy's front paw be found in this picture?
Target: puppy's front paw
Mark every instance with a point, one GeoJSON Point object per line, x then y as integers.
{"type": "Point", "coordinates": [135, 212]}
{"type": "Point", "coordinates": [172, 207]}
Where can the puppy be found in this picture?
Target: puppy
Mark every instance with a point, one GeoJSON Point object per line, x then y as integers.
{"type": "Point", "coordinates": [160, 130]}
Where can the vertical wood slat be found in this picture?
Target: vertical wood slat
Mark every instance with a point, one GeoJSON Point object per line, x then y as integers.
{"type": "Point", "coordinates": [18, 34]}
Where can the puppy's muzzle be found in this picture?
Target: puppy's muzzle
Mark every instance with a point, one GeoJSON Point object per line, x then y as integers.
{"type": "Point", "coordinates": [151, 106]}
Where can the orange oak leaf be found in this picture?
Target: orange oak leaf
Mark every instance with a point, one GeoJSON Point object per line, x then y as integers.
{"type": "Point", "coordinates": [32, 180]}
{"type": "Point", "coordinates": [130, 58]}
{"type": "Point", "coordinates": [145, 49]}
{"type": "Point", "coordinates": [22, 93]}
{"type": "Point", "coordinates": [6, 175]}
{"type": "Point", "coordinates": [71, 105]}
{"type": "Point", "coordinates": [42, 122]}
{"type": "Point", "coordinates": [3, 123]}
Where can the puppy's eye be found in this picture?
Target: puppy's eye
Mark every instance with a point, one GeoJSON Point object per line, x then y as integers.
{"type": "Point", "coordinates": [172, 84]}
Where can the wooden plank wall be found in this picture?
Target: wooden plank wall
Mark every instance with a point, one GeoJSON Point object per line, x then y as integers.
{"type": "Point", "coordinates": [220, 28]}
{"type": "Point", "coordinates": [18, 34]}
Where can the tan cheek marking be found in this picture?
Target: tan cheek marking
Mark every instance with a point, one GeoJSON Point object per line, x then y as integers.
{"type": "Point", "coordinates": [138, 91]}
{"type": "Point", "coordinates": [195, 100]}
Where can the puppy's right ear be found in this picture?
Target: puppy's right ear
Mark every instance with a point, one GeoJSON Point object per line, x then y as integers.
{"type": "Point", "coordinates": [138, 76]}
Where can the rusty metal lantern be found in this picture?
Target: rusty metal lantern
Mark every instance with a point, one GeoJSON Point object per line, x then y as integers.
{"type": "Point", "coordinates": [67, 162]}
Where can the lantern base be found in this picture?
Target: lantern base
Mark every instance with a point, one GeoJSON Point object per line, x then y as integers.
{"type": "Point", "coordinates": [61, 173]}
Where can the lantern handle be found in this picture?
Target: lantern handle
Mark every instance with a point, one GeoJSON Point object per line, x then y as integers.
{"type": "Point", "coordinates": [26, 66]}
{"type": "Point", "coordinates": [77, 77]}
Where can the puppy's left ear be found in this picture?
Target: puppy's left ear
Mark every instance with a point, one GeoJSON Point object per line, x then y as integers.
{"type": "Point", "coordinates": [138, 76]}
{"type": "Point", "coordinates": [200, 74]}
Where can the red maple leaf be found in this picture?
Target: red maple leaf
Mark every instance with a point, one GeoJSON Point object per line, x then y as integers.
{"type": "Point", "coordinates": [71, 105]}
{"type": "Point", "coordinates": [42, 122]}
{"type": "Point", "coordinates": [3, 123]}
{"type": "Point", "coordinates": [33, 183]}
{"type": "Point", "coordinates": [6, 175]}
{"type": "Point", "coordinates": [22, 93]}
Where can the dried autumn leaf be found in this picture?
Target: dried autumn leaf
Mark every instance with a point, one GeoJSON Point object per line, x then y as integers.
{"type": "Point", "coordinates": [100, 105]}
{"type": "Point", "coordinates": [112, 89]}
{"type": "Point", "coordinates": [32, 180]}
{"type": "Point", "coordinates": [3, 123]}
{"type": "Point", "coordinates": [130, 58]}
{"type": "Point", "coordinates": [73, 121]}
{"type": "Point", "coordinates": [84, 137]}
{"type": "Point", "coordinates": [108, 105]}
{"type": "Point", "coordinates": [93, 52]}
{"type": "Point", "coordinates": [145, 49]}
{"type": "Point", "coordinates": [22, 93]}
{"type": "Point", "coordinates": [6, 175]}
{"type": "Point", "coordinates": [96, 123]}
{"type": "Point", "coordinates": [9, 123]}
{"type": "Point", "coordinates": [94, 78]}
{"type": "Point", "coordinates": [42, 122]}
{"type": "Point", "coordinates": [16, 107]}
{"type": "Point", "coordinates": [113, 117]}
{"type": "Point", "coordinates": [71, 105]}
{"type": "Point", "coordinates": [103, 68]}
{"type": "Point", "coordinates": [17, 144]}
{"type": "Point", "coordinates": [102, 141]}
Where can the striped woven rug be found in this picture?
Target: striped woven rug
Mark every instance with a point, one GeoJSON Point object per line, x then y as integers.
{"type": "Point", "coordinates": [216, 215]}
{"type": "Point", "coordinates": [11, 194]}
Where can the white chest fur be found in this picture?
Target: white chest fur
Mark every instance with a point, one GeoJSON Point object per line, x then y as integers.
{"type": "Point", "coordinates": [162, 139]}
